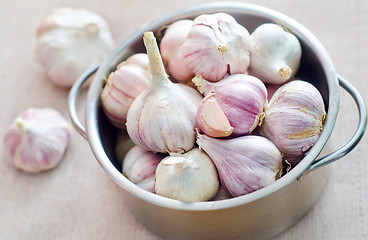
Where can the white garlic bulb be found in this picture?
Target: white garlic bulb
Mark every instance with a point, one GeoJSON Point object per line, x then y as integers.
{"type": "Point", "coordinates": [70, 41]}
{"type": "Point", "coordinates": [191, 176]}
{"type": "Point", "coordinates": [244, 164]}
{"type": "Point", "coordinates": [123, 85]}
{"type": "Point", "coordinates": [173, 39]}
{"type": "Point", "coordinates": [233, 107]}
{"type": "Point", "coordinates": [217, 45]}
{"type": "Point", "coordinates": [294, 119]}
{"type": "Point", "coordinates": [139, 166]}
{"type": "Point", "coordinates": [163, 117]}
{"type": "Point", "coordinates": [276, 54]}
{"type": "Point", "coordinates": [37, 139]}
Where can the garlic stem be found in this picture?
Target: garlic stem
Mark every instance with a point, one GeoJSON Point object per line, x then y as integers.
{"type": "Point", "coordinates": [157, 68]}
{"type": "Point", "coordinates": [21, 123]}
{"type": "Point", "coordinates": [285, 72]}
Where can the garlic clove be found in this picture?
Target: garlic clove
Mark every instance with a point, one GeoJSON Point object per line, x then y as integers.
{"type": "Point", "coordinates": [123, 85]}
{"type": "Point", "coordinates": [276, 54]}
{"type": "Point", "coordinates": [173, 39]}
{"type": "Point", "coordinates": [216, 45]}
{"type": "Point", "coordinates": [234, 106]}
{"type": "Point", "coordinates": [139, 166]}
{"type": "Point", "coordinates": [294, 119]}
{"type": "Point", "coordinates": [163, 117]}
{"type": "Point", "coordinates": [37, 139]}
{"type": "Point", "coordinates": [191, 176]}
{"type": "Point", "coordinates": [244, 164]}
{"type": "Point", "coordinates": [70, 41]}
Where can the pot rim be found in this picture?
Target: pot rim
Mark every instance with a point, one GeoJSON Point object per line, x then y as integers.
{"type": "Point", "coordinates": [299, 30]}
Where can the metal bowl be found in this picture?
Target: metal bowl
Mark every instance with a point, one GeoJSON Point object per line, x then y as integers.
{"type": "Point", "coordinates": [258, 215]}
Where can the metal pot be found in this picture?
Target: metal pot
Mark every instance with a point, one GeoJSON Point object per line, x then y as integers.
{"type": "Point", "coordinates": [258, 215]}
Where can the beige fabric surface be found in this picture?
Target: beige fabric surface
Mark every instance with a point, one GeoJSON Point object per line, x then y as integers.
{"type": "Point", "coordinates": [77, 200]}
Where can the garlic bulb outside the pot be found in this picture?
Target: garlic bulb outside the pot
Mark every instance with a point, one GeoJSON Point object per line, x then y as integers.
{"type": "Point", "coordinates": [244, 164]}
{"type": "Point", "coordinates": [191, 176]}
{"type": "Point", "coordinates": [217, 45]}
{"type": "Point", "coordinates": [233, 107]}
{"type": "Point", "coordinates": [139, 166]}
{"type": "Point", "coordinates": [173, 39]}
{"type": "Point", "coordinates": [294, 119]}
{"type": "Point", "coordinates": [123, 85]}
{"type": "Point", "coordinates": [276, 54]}
{"type": "Point", "coordinates": [37, 140]}
{"type": "Point", "coordinates": [70, 41]}
{"type": "Point", "coordinates": [163, 117]}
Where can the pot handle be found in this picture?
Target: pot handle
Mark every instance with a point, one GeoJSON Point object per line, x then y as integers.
{"type": "Point", "coordinates": [350, 145]}
{"type": "Point", "coordinates": [72, 100]}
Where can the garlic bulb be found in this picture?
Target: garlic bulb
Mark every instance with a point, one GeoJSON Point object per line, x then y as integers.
{"type": "Point", "coordinates": [139, 166]}
{"type": "Point", "coordinates": [163, 117]}
{"type": "Point", "coordinates": [123, 85]}
{"type": "Point", "coordinates": [294, 119]}
{"type": "Point", "coordinates": [174, 37]}
{"type": "Point", "coordinates": [191, 176]}
{"type": "Point", "coordinates": [217, 45]}
{"type": "Point", "coordinates": [37, 139]}
{"type": "Point", "coordinates": [244, 164]}
{"type": "Point", "coordinates": [234, 106]}
{"type": "Point", "coordinates": [70, 41]}
{"type": "Point", "coordinates": [276, 54]}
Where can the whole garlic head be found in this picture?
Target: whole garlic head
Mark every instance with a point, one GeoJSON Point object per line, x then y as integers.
{"type": "Point", "coordinates": [191, 176]}
{"type": "Point", "coordinates": [37, 139]}
{"type": "Point", "coordinates": [70, 41]}
{"type": "Point", "coordinates": [216, 45]}
{"type": "Point", "coordinates": [276, 54]}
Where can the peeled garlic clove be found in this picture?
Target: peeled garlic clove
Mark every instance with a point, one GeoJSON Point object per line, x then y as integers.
{"type": "Point", "coordinates": [123, 85]}
{"type": "Point", "coordinates": [276, 54]}
{"type": "Point", "coordinates": [173, 39]}
{"type": "Point", "coordinates": [294, 118]}
{"type": "Point", "coordinates": [139, 166]}
{"type": "Point", "coordinates": [234, 106]}
{"type": "Point", "coordinates": [191, 176]}
{"type": "Point", "coordinates": [217, 45]}
{"type": "Point", "coordinates": [37, 139]}
{"type": "Point", "coordinates": [70, 41]}
{"type": "Point", "coordinates": [163, 117]}
{"type": "Point", "coordinates": [244, 164]}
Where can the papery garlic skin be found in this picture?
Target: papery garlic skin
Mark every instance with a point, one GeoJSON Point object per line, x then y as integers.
{"type": "Point", "coordinates": [139, 166]}
{"type": "Point", "coordinates": [294, 119]}
{"type": "Point", "coordinates": [163, 117]}
{"type": "Point", "coordinates": [191, 176]}
{"type": "Point", "coordinates": [70, 41]}
{"type": "Point", "coordinates": [123, 85]}
{"type": "Point", "coordinates": [233, 107]}
{"type": "Point", "coordinates": [276, 54]}
{"type": "Point", "coordinates": [244, 164]}
{"type": "Point", "coordinates": [217, 45]}
{"type": "Point", "coordinates": [37, 140]}
{"type": "Point", "coordinates": [173, 39]}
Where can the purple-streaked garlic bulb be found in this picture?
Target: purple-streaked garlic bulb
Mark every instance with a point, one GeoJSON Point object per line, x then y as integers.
{"type": "Point", "coordinates": [123, 85]}
{"type": "Point", "coordinates": [173, 39]}
{"type": "Point", "coordinates": [191, 176]}
{"type": "Point", "coordinates": [70, 41]}
{"type": "Point", "coordinates": [163, 117]}
{"type": "Point", "coordinates": [139, 166]}
{"type": "Point", "coordinates": [294, 119]}
{"type": "Point", "coordinates": [37, 140]}
{"type": "Point", "coordinates": [233, 107]}
{"type": "Point", "coordinates": [275, 55]}
{"type": "Point", "coordinates": [244, 164]}
{"type": "Point", "coordinates": [217, 45]}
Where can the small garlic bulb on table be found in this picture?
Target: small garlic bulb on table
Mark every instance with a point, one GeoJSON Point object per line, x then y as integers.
{"type": "Point", "coordinates": [69, 42]}
{"type": "Point", "coordinates": [37, 140]}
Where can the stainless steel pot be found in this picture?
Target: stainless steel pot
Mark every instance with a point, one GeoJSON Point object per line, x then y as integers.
{"type": "Point", "coordinates": [258, 215]}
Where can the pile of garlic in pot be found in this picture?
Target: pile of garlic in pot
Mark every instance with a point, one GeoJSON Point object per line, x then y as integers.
{"type": "Point", "coordinates": [213, 131]}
